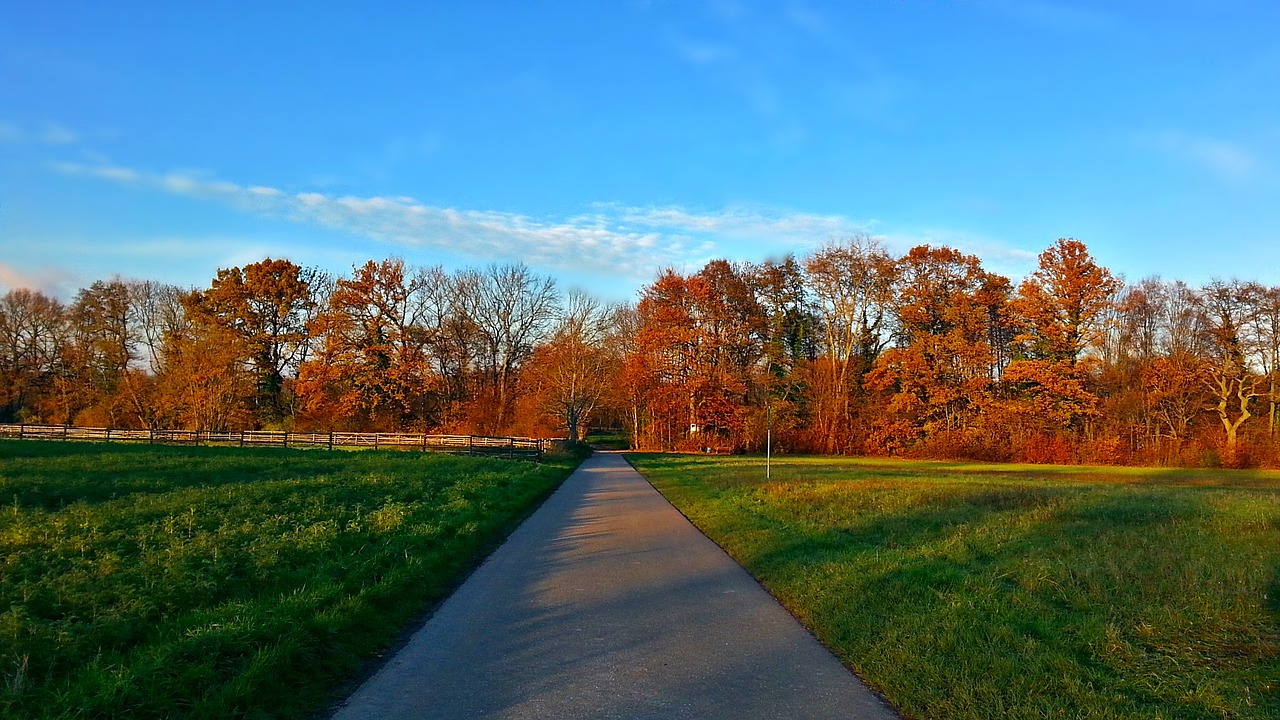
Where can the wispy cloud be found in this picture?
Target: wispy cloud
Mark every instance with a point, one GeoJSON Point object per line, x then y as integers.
{"type": "Point", "coordinates": [607, 239]}
{"type": "Point", "coordinates": [49, 134]}
{"type": "Point", "coordinates": [55, 134]}
{"type": "Point", "coordinates": [10, 133]}
{"type": "Point", "coordinates": [622, 241]}
{"type": "Point", "coordinates": [54, 281]}
{"type": "Point", "coordinates": [1224, 158]}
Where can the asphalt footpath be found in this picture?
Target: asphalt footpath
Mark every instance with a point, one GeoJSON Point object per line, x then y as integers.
{"type": "Point", "coordinates": [607, 603]}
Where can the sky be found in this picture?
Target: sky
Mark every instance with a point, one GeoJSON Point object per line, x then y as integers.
{"type": "Point", "coordinates": [600, 142]}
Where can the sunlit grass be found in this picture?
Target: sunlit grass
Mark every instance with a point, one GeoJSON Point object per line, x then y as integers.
{"type": "Point", "coordinates": [216, 582]}
{"type": "Point", "coordinates": [964, 590]}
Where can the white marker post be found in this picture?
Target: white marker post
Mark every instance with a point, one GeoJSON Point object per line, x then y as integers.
{"type": "Point", "coordinates": [768, 440]}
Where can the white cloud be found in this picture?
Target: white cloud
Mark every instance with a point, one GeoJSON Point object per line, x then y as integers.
{"type": "Point", "coordinates": [593, 243]}
{"type": "Point", "coordinates": [55, 134]}
{"type": "Point", "coordinates": [53, 281]}
{"type": "Point", "coordinates": [1224, 158]}
{"type": "Point", "coordinates": [52, 134]}
{"type": "Point", "coordinates": [621, 241]}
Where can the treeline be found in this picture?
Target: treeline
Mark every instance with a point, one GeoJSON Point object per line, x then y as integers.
{"type": "Point", "coordinates": [846, 350]}
{"type": "Point", "coordinates": [853, 350]}
{"type": "Point", "coordinates": [279, 346]}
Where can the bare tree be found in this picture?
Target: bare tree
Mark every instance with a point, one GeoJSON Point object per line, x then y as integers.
{"type": "Point", "coordinates": [512, 309]}
{"type": "Point", "coordinates": [853, 285]}
{"type": "Point", "coordinates": [1227, 309]}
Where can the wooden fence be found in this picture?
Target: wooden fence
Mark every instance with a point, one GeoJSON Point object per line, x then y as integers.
{"type": "Point", "coordinates": [512, 447]}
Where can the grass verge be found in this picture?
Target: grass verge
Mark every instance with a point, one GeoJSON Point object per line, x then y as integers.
{"type": "Point", "coordinates": [149, 581]}
{"type": "Point", "coordinates": [1000, 591]}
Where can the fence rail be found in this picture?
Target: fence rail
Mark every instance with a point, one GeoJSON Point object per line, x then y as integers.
{"type": "Point", "coordinates": [514, 447]}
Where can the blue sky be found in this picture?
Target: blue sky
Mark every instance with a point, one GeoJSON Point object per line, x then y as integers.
{"type": "Point", "coordinates": [601, 141]}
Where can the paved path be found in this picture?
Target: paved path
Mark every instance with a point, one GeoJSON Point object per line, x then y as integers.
{"type": "Point", "coordinates": [607, 603]}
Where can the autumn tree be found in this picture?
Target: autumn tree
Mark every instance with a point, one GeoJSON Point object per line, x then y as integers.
{"type": "Point", "coordinates": [1060, 308]}
{"type": "Point", "coordinates": [730, 328]}
{"type": "Point", "coordinates": [371, 370]}
{"type": "Point", "coordinates": [34, 335]}
{"type": "Point", "coordinates": [852, 284]}
{"type": "Point", "coordinates": [662, 362]}
{"type": "Point", "coordinates": [569, 374]}
{"type": "Point", "coordinates": [632, 380]}
{"type": "Point", "coordinates": [938, 375]}
{"type": "Point", "coordinates": [1174, 395]}
{"type": "Point", "coordinates": [203, 384]}
{"type": "Point", "coordinates": [107, 344]}
{"type": "Point", "coordinates": [791, 345]}
{"type": "Point", "coordinates": [268, 304]}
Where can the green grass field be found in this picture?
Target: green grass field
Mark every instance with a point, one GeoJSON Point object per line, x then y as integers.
{"type": "Point", "coordinates": [1001, 591]}
{"type": "Point", "coordinates": [148, 582]}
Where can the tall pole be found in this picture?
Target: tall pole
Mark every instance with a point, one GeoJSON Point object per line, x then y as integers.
{"type": "Point", "coordinates": [768, 441]}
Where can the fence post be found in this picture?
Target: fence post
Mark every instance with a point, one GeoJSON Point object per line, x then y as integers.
{"type": "Point", "coordinates": [330, 439]}
{"type": "Point", "coordinates": [424, 442]}
{"type": "Point", "coordinates": [286, 438]}
{"type": "Point", "coordinates": [108, 435]}
{"type": "Point", "coordinates": [22, 431]}
{"type": "Point", "coordinates": [375, 441]}
{"type": "Point", "coordinates": [65, 428]}
{"type": "Point", "coordinates": [241, 438]}
{"type": "Point", "coordinates": [470, 443]}
{"type": "Point", "coordinates": [151, 436]}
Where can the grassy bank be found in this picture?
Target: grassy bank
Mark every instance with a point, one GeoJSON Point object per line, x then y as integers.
{"type": "Point", "coordinates": [149, 582]}
{"type": "Point", "coordinates": [994, 591]}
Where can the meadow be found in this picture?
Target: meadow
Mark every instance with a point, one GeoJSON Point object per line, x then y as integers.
{"type": "Point", "coordinates": [1013, 591]}
{"type": "Point", "coordinates": [148, 582]}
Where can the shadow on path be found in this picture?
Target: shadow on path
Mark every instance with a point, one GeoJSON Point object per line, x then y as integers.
{"type": "Point", "coordinates": [607, 603]}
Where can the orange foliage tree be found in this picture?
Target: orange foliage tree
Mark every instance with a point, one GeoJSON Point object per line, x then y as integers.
{"type": "Point", "coordinates": [696, 356]}
{"type": "Point", "coordinates": [938, 377]}
{"type": "Point", "coordinates": [268, 305]}
{"type": "Point", "coordinates": [371, 371]}
{"type": "Point", "coordinates": [1060, 309]}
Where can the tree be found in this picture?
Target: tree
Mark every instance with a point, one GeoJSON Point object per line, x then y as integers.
{"type": "Point", "coordinates": [203, 385]}
{"type": "Point", "coordinates": [158, 313]}
{"type": "Point", "coordinates": [570, 373]}
{"type": "Point", "coordinates": [268, 304]}
{"type": "Point", "coordinates": [1062, 302]}
{"type": "Point", "coordinates": [107, 345]}
{"type": "Point", "coordinates": [511, 310]}
{"type": "Point", "coordinates": [661, 366]}
{"type": "Point", "coordinates": [1226, 308]}
{"type": "Point", "coordinates": [791, 343]}
{"type": "Point", "coordinates": [1060, 308]}
{"type": "Point", "coordinates": [939, 375]}
{"type": "Point", "coordinates": [730, 328]}
{"type": "Point", "coordinates": [34, 336]}
{"type": "Point", "coordinates": [1264, 332]}
{"type": "Point", "coordinates": [371, 370]}
{"type": "Point", "coordinates": [853, 285]}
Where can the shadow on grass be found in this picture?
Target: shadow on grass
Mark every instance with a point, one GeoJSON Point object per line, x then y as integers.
{"type": "Point", "coordinates": [1071, 599]}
